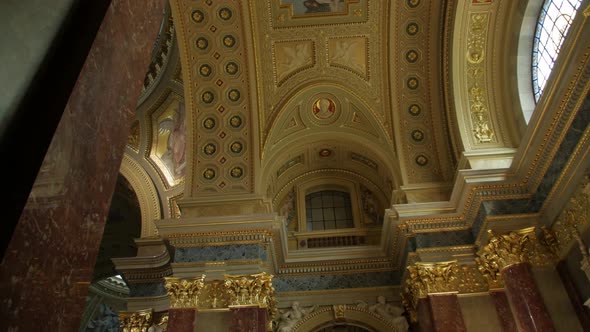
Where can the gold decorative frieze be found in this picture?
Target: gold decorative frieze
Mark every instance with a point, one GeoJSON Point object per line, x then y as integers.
{"type": "Point", "coordinates": [137, 321]}
{"type": "Point", "coordinates": [184, 293]}
{"type": "Point", "coordinates": [481, 121]}
{"type": "Point", "coordinates": [471, 280]}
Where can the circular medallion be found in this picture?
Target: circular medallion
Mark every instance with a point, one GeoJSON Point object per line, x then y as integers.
{"type": "Point", "coordinates": [325, 153]}
{"type": "Point", "coordinates": [323, 108]}
{"type": "Point", "coordinates": [233, 95]}
{"type": "Point", "coordinates": [202, 43]}
{"type": "Point", "coordinates": [417, 135]}
{"type": "Point", "coordinates": [209, 123]}
{"type": "Point", "coordinates": [209, 149]}
{"type": "Point", "coordinates": [412, 56]}
{"type": "Point", "coordinates": [235, 121]}
{"type": "Point", "coordinates": [412, 83]}
{"type": "Point", "coordinates": [421, 160]}
{"type": "Point", "coordinates": [413, 3]}
{"type": "Point", "coordinates": [236, 172]}
{"type": "Point", "coordinates": [207, 97]}
{"type": "Point", "coordinates": [414, 109]}
{"type": "Point", "coordinates": [412, 29]}
{"type": "Point", "coordinates": [231, 68]}
{"type": "Point", "coordinates": [205, 70]}
{"type": "Point", "coordinates": [209, 174]}
{"type": "Point", "coordinates": [229, 41]}
{"type": "Point", "coordinates": [236, 147]}
{"type": "Point", "coordinates": [198, 16]}
{"type": "Point", "coordinates": [225, 13]}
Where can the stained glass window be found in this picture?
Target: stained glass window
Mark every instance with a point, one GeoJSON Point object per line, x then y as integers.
{"type": "Point", "coordinates": [554, 21]}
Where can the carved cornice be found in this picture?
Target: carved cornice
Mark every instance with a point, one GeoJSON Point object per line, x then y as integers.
{"type": "Point", "coordinates": [184, 293]}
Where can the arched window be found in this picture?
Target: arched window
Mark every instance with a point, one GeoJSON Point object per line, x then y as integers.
{"type": "Point", "coordinates": [328, 209]}
{"type": "Point", "coordinates": [554, 21]}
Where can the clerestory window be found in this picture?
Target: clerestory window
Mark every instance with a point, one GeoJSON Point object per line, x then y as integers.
{"type": "Point", "coordinates": [554, 21]}
{"type": "Point", "coordinates": [328, 209]}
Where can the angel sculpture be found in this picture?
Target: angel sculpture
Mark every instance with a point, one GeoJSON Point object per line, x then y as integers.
{"type": "Point", "coordinates": [390, 313]}
{"type": "Point", "coordinates": [289, 318]}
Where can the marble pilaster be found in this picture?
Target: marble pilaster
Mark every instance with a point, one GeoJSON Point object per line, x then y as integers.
{"type": "Point", "coordinates": [47, 268]}
{"type": "Point", "coordinates": [503, 310]}
{"type": "Point", "coordinates": [446, 313]}
{"type": "Point", "coordinates": [252, 319]}
{"type": "Point", "coordinates": [525, 299]}
{"type": "Point", "coordinates": [182, 319]}
{"type": "Point", "coordinates": [424, 316]}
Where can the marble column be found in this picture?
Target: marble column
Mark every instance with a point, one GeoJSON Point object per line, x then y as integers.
{"type": "Point", "coordinates": [48, 265]}
{"type": "Point", "coordinates": [431, 289]}
{"type": "Point", "coordinates": [506, 259]}
{"type": "Point", "coordinates": [446, 313]}
{"type": "Point", "coordinates": [525, 299]}
{"type": "Point", "coordinates": [251, 319]}
{"type": "Point", "coordinates": [424, 316]}
{"type": "Point", "coordinates": [503, 310]}
{"type": "Point", "coordinates": [182, 319]}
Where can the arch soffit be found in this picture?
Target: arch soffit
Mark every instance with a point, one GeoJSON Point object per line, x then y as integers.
{"type": "Point", "coordinates": [486, 99]}
{"type": "Point", "coordinates": [358, 316]}
{"type": "Point", "coordinates": [298, 104]}
{"type": "Point", "coordinates": [146, 192]}
{"type": "Point", "coordinates": [296, 128]}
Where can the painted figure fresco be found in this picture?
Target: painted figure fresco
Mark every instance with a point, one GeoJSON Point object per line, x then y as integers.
{"type": "Point", "coordinates": [172, 129]}
{"type": "Point", "coordinates": [305, 7]}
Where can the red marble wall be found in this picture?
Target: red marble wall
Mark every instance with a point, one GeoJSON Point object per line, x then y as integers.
{"type": "Point", "coordinates": [48, 264]}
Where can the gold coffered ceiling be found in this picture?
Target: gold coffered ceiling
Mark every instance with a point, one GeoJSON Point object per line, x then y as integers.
{"type": "Point", "coordinates": [265, 79]}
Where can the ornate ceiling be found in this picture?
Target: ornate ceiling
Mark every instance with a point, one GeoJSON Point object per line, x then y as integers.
{"type": "Point", "coordinates": [415, 101]}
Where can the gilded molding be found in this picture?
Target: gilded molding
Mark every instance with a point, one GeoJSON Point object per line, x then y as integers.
{"type": "Point", "coordinates": [574, 217]}
{"type": "Point", "coordinates": [147, 195]}
{"type": "Point", "coordinates": [184, 293]}
{"type": "Point", "coordinates": [481, 121]}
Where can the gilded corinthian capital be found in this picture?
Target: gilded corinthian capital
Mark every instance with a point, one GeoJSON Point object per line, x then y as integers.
{"type": "Point", "coordinates": [514, 248]}
{"type": "Point", "coordinates": [184, 293]}
{"type": "Point", "coordinates": [504, 250]}
{"type": "Point", "coordinates": [135, 321]}
{"type": "Point", "coordinates": [430, 278]}
{"type": "Point", "coordinates": [252, 290]}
